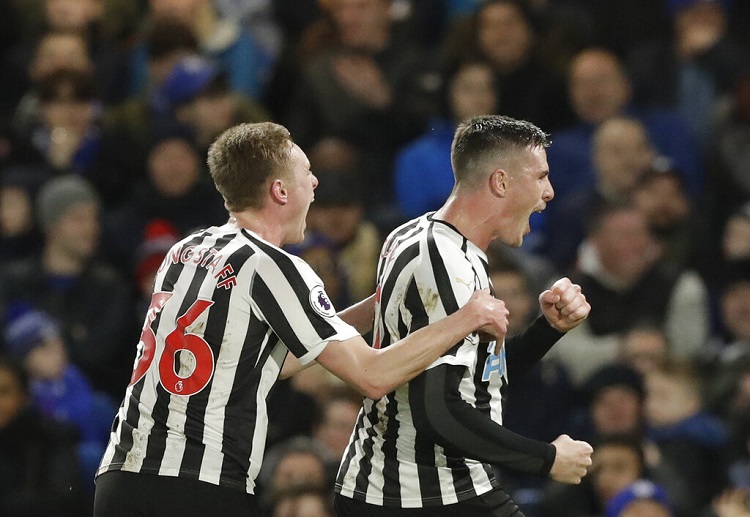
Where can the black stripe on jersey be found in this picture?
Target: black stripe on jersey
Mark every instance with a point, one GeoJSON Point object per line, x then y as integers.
{"type": "Point", "coordinates": [214, 335]}
{"type": "Point", "coordinates": [298, 285]}
{"type": "Point", "coordinates": [278, 321]}
{"type": "Point", "coordinates": [415, 305]}
{"type": "Point", "coordinates": [132, 418]}
{"type": "Point", "coordinates": [442, 280]}
{"type": "Point", "coordinates": [391, 484]}
{"type": "Point", "coordinates": [242, 408]}
{"type": "Point", "coordinates": [365, 465]}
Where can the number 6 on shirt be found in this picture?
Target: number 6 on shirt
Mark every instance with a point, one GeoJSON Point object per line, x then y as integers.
{"type": "Point", "coordinates": [177, 340]}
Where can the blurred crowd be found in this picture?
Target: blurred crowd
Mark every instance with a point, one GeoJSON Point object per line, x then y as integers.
{"type": "Point", "coordinates": [107, 108]}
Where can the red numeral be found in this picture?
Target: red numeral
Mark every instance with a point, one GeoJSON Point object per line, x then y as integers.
{"type": "Point", "coordinates": [177, 340]}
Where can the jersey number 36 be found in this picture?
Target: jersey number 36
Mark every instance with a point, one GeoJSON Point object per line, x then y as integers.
{"type": "Point", "coordinates": [178, 340]}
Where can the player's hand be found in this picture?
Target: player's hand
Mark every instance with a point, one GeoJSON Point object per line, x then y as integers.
{"type": "Point", "coordinates": [564, 305]}
{"type": "Point", "coordinates": [493, 315]}
{"type": "Point", "coordinates": [572, 460]}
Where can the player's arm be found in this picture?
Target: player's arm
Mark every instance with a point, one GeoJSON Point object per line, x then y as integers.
{"type": "Point", "coordinates": [360, 316]}
{"type": "Point", "coordinates": [377, 372]}
{"type": "Point", "coordinates": [439, 412]}
{"type": "Point", "coordinates": [563, 308]}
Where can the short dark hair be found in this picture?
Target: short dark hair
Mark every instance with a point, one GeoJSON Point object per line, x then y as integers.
{"type": "Point", "coordinates": [480, 137]}
{"type": "Point", "coordinates": [243, 157]}
{"type": "Point", "coordinates": [166, 35]}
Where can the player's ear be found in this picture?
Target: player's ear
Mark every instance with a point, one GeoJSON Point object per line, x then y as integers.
{"type": "Point", "coordinates": [498, 183]}
{"type": "Point", "coordinates": [279, 192]}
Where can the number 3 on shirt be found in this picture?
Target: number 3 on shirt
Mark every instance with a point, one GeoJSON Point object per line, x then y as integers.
{"type": "Point", "coordinates": [177, 340]}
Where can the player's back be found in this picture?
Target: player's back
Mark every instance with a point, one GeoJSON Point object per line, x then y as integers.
{"type": "Point", "coordinates": [206, 360]}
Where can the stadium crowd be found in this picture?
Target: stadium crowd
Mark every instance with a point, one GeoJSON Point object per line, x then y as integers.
{"type": "Point", "coordinates": [108, 107]}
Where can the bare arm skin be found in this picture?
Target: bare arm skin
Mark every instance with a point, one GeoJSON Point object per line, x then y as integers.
{"type": "Point", "coordinates": [377, 372]}
{"type": "Point", "coordinates": [360, 316]}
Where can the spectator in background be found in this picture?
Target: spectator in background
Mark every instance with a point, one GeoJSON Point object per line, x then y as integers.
{"type": "Point", "coordinates": [735, 242]}
{"type": "Point", "coordinates": [337, 417]}
{"type": "Point", "coordinates": [628, 284]}
{"type": "Point", "coordinates": [672, 216]}
{"type": "Point", "coordinates": [373, 87]}
{"type": "Point", "coordinates": [54, 51]}
{"type": "Point", "coordinates": [176, 189]}
{"type": "Point", "coordinates": [599, 89]}
{"type": "Point", "coordinates": [243, 60]}
{"type": "Point", "coordinates": [643, 498]}
{"type": "Point", "coordinates": [88, 298]}
{"type": "Point", "coordinates": [621, 154]}
{"type": "Point", "coordinates": [303, 503]}
{"type": "Point", "coordinates": [20, 237]}
{"type": "Point", "coordinates": [196, 93]}
{"type": "Point", "coordinates": [38, 459]}
{"type": "Point", "coordinates": [296, 464]}
{"type": "Point", "coordinates": [423, 176]}
{"type": "Point", "coordinates": [732, 503]}
{"type": "Point", "coordinates": [258, 19]}
{"type": "Point", "coordinates": [338, 216]}
{"type": "Point", "coordinates": [644, 348]}
{"type": "Point", "coordinates": [731, 342]}
{"type": "Point", "coordinates": [504, 32]}
{"type": "Point", "coordinates": [694, 70]}
{"type": "Point", "coordinates": [689, 439]}
{"type": "Point", "coordinates": [66, 135]}
{"type": "Point", "coordinates": [611, 403]}
{"type": "Point", "coordinates": [59, 389]}
{"type": "Point", "coordinates": [729, 182]}
{"type": "Point", "coordinates": [159, 235]}
{"type": "Point", "coordinates": [188, 89]}
{"type": "Point", "coordinates": [103, 25]}
{"type": "Point", "coordinates": [317, 251]}
{"type": "Point", "coordinates": [167, 41]}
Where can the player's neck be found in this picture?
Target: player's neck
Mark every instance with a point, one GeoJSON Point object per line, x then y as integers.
{"type": "Point", "coordinates": [259, 222]}
{"type": "Point", "coordinates": [465, 213]}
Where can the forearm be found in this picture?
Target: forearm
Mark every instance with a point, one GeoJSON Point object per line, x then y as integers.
{"type": "Point", "coordinates": [360, 315]}
{"type": "Point", "coordinates": [405, 359]}
{"type": "Point", "coordinates": [524, 350]}
{"type": "Point", "coordinates": [463, 430]}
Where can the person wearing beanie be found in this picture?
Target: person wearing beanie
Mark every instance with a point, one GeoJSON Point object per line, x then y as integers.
{"type": "Point", "coordinates": [611, 402]}
{"type": "Point", "coordinates": [58, 388]}
{"type": "Point", "coordinates": [643, 498]}
{"type": "Point", "coordinates": [87, 298]}
{"type": "Point", "coordinates": [59, 195]}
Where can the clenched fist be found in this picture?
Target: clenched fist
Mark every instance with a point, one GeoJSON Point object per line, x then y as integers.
{"type": "Point", "coordinates": [564, 305]}
{"type": "Point", "coordinates": [572, 460]}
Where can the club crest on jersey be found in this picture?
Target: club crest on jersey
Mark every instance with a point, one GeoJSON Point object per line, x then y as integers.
{"type": "Point", "coordinates": [321, 303]}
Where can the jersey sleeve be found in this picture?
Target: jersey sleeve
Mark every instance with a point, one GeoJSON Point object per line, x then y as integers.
{"type": "Point", "coordinates": [291, 299]}
{"type": "Point", "coordinates": [439, 412]}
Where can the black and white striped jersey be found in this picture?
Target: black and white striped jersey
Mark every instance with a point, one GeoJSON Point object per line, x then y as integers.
{"type": "Point", "coordinates": [226, 308]}
{"type": "Point", "coordinates": [427, 270]}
